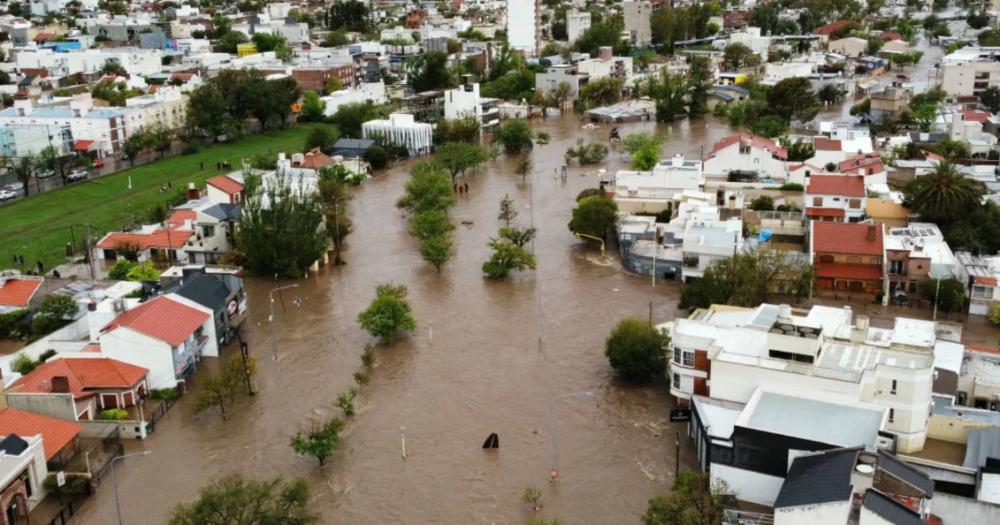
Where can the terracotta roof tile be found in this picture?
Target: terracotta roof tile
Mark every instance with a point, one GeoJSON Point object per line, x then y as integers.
{"type": "Point", "coordinates": [18, 292]}
{"type": "Point", "coordinates": [825, 144]}
{"type": "Point", "coordinates": [161, 318]}
{"type": "Point", "coordinates": [825, 212]}
{"type": "Point", "coordinates": [84, 374]}
{"type": "Point", "coordinates": [157, 239]}
{"type": "Point", "coordinates": [846, 237]}
{"type": "Point", "coordinates": [56, 433]}
{"type": "Point", "coordinates": [831, 28]}
{"type": "Point", "coordinates": [225, 184]}
{"type": "Point", "coordinates": [846, 185]}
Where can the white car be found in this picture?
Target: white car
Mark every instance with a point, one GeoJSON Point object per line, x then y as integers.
{"type": "Point", "coordinates": [16, 189]}
{"type": "Point", "coordinates": [77, 175]}
{"type": "Point", "coordinates": [6, 195]}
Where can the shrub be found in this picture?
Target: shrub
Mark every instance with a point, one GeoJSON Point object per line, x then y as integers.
{"type": "Point", "coordinates": [368, 356]}
{"type": "Point", "coordinates": [762, 203]}
{"type": "Point", "coordinates": [346, 401]}
{"type": "Point", "coordinates": [165, 394]}
{"type": "Point", "coordinates": [119, 270]}
{"type": "Point", "coordinates": [23, 364]}
{"type": "Point", "coordinates": [46, 355]}
{"type": "Point", "coordinates": [587, 153]}
{"type": "Point", "coordinates": [9, 322]}
{"type": "Point", "coordinates": [377, 157]}
{"type": "Point", "coordinates": [74, 486]}
{"type": "Point", "coordinates": [589, 192]}
{"type": "Point", "coordinates": [792, 186]}
{"type": "Point", "coordinates": [113, 414]}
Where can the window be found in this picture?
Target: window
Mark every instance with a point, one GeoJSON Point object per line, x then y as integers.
{"type": "Point", "coordinates": [981, 292]}
{"type": "Point", "coordinates": [677, 381]}
{"type": "Point", "coordinates": [893, 389]}
{"type": "Point", "coordinates": [684, 357]}
{"type": "Point", "coordinates": [208, 231]}
{"type": "Point", "coordinates": [817, 201]}
{"type": "Point", "coordinates": [892, 415]}
{"type": "Point", "coordinates": [895, 267]}
{"type": "Point", "coordinates": [855, 203]}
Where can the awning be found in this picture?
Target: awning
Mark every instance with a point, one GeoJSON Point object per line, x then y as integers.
{"type": "Point", "coordinates": [83, 145]}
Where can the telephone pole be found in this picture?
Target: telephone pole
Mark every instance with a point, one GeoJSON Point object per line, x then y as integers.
{"type": "Point", "coordinates": [90, 250]}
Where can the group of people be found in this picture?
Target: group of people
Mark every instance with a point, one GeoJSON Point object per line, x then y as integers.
{"type": "Point", "coordinates": [18, 261]}
{"type": "Point", "coordinates": [460, 188]}
{"type": "Point", "coordinates": [226, 165]}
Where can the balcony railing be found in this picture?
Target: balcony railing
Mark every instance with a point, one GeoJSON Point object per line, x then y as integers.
{"type": "Point", "coordinates": [192, 348]}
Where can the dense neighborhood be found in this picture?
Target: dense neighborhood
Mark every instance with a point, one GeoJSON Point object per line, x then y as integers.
{"type": "Point", "coordinates": [719, 262]}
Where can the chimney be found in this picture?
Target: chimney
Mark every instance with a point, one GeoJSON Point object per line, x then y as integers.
{"type": "Point", "coordinates": [605, 53]}
{"type": "Point", "coordinates": [22, 107]}
{"type": "Point", "coordinates": [871, 232]}
{"type": "Point", "coordinates": [192, 192]}
{"type": "Point", "coordinates": [60, 385]}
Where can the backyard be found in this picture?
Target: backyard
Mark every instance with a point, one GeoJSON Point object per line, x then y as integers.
{"type": "Point", "coordinates": [39, 227]}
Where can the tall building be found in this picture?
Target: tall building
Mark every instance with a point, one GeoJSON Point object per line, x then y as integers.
{"type": "Point", "coordinates": [524, 25]}
{"type": "Point", "coordinates": [576, 23]}
{"type": "Point", "coordinates": [637, 15]}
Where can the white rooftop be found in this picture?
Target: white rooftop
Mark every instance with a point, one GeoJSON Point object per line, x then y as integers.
{"type": "Point", "coordinates": [815, 416]}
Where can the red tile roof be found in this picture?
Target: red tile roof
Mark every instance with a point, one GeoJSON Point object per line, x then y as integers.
{"type": "Point", "coordinates": [846, 185]}
{"type": "Point", "coordinates": [315, 159]}
{"type": "Point", "coordinates": [18, 292]}
{"type": "Point", "coordinates": [157, 239]}
{"type": "Point", "coordinates": [987, 281]}
{"type": "Point", "coordinates": [846, 237]}
{"type": "Point", "coordinates": [976, 115]}
{"type": "Point", "coordinates": [754, 140]}
{"type": "Point", "coordinates": [178, 217]}
{"type": "Point", "coordinates": [825, 212]}
{"type": "Point", "coordinates": [225, 184]}
{"type": "Point", "coordinates": [84, 374]}
{"type": "Point", "coordinates": [56, 433]}
{"type": "Point", "coordinates": [825, 144]}
{"type": "Point", "coordinates": [161, 318]}
{"type": "Point", "coordinates": [831, 28]}
{"type": "Point", "coordinates": [976, 347]}
{"type": "Point", "coordinates": [867, 272]}
{"type": "Point", "coordinates": [889, 36]}
{"type": "Point", "coordinates": [858, 161]}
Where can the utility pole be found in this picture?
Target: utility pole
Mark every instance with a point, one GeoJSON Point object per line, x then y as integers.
{"type": "Point", "coordinates": [937, 289]}
{"type": "Point", "coordinates": [90, 251]}
{"type": "Point", "coordinates": [270, 317]}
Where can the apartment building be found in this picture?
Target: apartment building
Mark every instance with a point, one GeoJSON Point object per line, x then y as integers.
{"type": "Point", "coordinates": [135, 61]}
{"type": "Point", "coordinates": [465, 101]}
{"type": "Point", "coordinates": [658, 189]}
{"type": "Point", "coordinates": [576, 23]}
{"type": "Point", "coordinates": [970, 70]}
{"type": "Point", "coordinates": [637, 13]}
{"type": "Point", "coordinates": [726, 353]}
{"type": "Point", "coordinates": [524, 31]}
{"type": "Point", "coordinates": [103, 128]}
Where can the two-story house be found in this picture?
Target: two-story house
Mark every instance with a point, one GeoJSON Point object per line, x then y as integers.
{"type": "Point", "coordinates": [221, 292]}
{"type": "Point", "coordinates": [22, 473]}
{"type": "Point", "coordinates": [848, 257]}
{"type": "Point", "coordinates": [917, 252]}
{"type": "Point", "coordinates": [705, 241]}
{"type": "Point", "coordinates": [835, 198]}
{"type": "Point", "coordinates": [166, 335]}
{"type": "Point", "coordinates": [465, 101]}
{"type": "Point", "coordinates": [747, 158]}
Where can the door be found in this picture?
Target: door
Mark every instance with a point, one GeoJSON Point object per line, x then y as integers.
{"type": "Point", "coordinates": [109, 401]}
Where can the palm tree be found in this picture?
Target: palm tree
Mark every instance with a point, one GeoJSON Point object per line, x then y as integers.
{"type": "Point", "coordinates": [944, 195]}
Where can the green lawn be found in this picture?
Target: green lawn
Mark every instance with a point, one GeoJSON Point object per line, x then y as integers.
{"type": "Point", "coordinates": [38, 227]}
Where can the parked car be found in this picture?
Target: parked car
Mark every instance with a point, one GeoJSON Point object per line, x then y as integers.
{"type": "Point", "coordinates": [46, 174]}
{"type": "Point", "coordinates": [77, 175]}
{"type": "Point", "coordinates": [16, 188]}
{"type": "Point", "coordinates": [98, 163]}
{"type": "Point", "coordinates": [6, 195]}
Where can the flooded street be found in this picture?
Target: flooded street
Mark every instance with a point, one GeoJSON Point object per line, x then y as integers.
{"type": "Point", "coordinates": [474, 366]}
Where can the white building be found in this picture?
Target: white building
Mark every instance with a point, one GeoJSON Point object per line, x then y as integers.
{"type": "Point", "coordinates": [750, 157]}
{"type": "Point", "coordinates": [524, 25]}
{"type": "Point", "coordinates": [401, 129]}
{"type": "Point", "coordinates": [970, 70]}
{"type": "Point", "coordinates": [836, 198]}
{"type": "Point", "coordinates": [166, 335]}
{"type": "Point", "coordinates": [752, 38]}
{"type": "Point", "coordinates": [656, 190]}
{"type": "Point", "coordinates": [729, 352]}
{"type": "Point", "coordinates": [103, 128]}
{"type": "Point", "coordinates": [577, 22]}
{"type": "Point", "coordinates": [708, 240]}
{"type": "Point", "coordinates": [135, 61]}
{"type": "Point", "coordinates": [637, 13]}
{"type": "Point", "coordinates": [23, 462]}
{"type": "Point", "coordinates": [465, 101]}
{"type": "Point", "coordinates": [166, 109]}
{"type": "Point", "coordinates": [373, 92]}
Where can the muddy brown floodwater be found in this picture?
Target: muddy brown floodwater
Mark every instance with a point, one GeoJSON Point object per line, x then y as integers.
{"type": "Point", "coordinates": [473, 366]}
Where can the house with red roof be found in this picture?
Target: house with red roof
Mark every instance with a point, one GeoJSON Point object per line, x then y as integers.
{"type": "Point", "coordinates": [223, 189]}
{"type": "Point", "coordinates": [747, 158]}
{"type": "Point", "coordinates": [78, 388]}
{"type": "Point", "coordinates": [868, 165]}
{"type": "Point", "coordinates": [848, 257]}
{"type": "Point", "coordinates": [22, 474]}
{"type": "Point", "coordinates": [16, 291]}
{"type": "Point", "coordinates": [152, 241]}
{"type": "Point", "coordinates": [166, 335]}
{"type": "Point", "coordinates": [60, 439]}
{"type": "Point", "coordinates": [835, 198]}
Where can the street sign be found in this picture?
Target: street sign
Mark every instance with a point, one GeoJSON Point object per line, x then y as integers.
{"type": "Point", "coordinates": [680, 414]}
{"type": "Point", "coordinates": [60, 478]}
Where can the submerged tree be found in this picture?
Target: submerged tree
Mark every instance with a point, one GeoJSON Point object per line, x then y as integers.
{"type": "Point", "coordinates": [388, 314]}
{"type": "Point", "coordinates": [236, 500]}
{"type": "Point", "coordinates": [636, 350]}
{"type": "Point", "coordinates": [694, 499]}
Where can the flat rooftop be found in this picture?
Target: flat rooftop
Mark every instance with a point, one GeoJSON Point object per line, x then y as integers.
{"type": "Point", "coordinates": [825, 421]}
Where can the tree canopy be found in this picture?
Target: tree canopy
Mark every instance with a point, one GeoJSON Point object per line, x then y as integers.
{"type": "Point", "coordinates": [636, 351]}
{"type": "Point", "coordinates": [694, 499]}
{"type": "Point", "coordinates": [944, 195]}
{"type": "Point", "coordinates": [594, 216]}
{"type": "Point", "coordinates": [236, 500]}
{"type": "Point", "coordinates": [388, 314]}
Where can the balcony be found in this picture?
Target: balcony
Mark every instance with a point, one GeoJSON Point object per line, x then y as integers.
{"type": "Point", "coordinates": [186, 354]}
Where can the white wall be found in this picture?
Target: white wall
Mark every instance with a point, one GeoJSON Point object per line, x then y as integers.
{"type": "Point", "coordinates": [758, 159]}
{"type": "Point", "coordinates": [125, 344]}
{"type": "Point", "coordinates": [522, 24]}
{"type": "Point", "coordinates": [834, 513]}
{"type": "Point", "coordinates": [754, 487]}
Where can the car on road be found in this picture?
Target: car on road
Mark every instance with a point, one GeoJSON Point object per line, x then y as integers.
{"type": "Point", "coordinates": [46, 175]}
{"type": "Point", "coordinates": [6, 195]}
{"type": "Point", "coordinates": [16, 188]}
{"type": "Point", "coordinates": [77, 175]}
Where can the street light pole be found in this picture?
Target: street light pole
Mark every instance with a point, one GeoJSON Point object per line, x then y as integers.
{"type": "Point", "coordinates": [270, 317]}
{"type": "Point", "coordinates": [554, 466]}
{"type": "Point", "coordinates": [114, 480]}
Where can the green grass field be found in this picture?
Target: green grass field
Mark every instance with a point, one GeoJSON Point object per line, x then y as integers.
{"type": "Point", "coordinates": [39, 227]}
